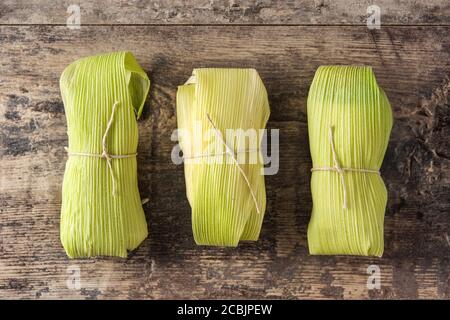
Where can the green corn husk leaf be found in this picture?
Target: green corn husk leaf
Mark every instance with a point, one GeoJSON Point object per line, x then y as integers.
{"type": "Point", "coordinates": [94, 222]}
{"type": "Point", "coordinates": [223, 210]}
{"type": "Point", "coordinates": [347, 98]}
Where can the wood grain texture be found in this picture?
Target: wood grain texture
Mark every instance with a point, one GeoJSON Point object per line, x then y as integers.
{"type": "Point", "coordinates": [411, 64]}
{"type": "Point", "coordinates": [328, 12]}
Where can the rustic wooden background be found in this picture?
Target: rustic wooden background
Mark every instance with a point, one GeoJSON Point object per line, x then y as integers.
{"type": "Point", "coordinates": [285, 42]}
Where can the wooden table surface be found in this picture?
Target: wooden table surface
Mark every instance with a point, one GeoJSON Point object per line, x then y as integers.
{"type": "Point", "coordinates": [285, 42]}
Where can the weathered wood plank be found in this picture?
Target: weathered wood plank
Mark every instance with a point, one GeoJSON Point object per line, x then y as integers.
{"type": "Point", "coordinates": [327, 12]}
{"type": "Point", "coordinates": [411, 65]}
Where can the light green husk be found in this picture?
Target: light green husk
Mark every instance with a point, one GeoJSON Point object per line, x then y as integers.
{"type": "Point", "coordinates": [223, 210]}
{"type": "Point", "coordinates": [348, 99]}
{"type": "Point", "coordinates": [94, 222]}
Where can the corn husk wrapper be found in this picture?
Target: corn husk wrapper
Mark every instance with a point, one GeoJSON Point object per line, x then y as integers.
{"type": "Point", "coordinates": [223, 210]}
{"type": "Point", "coordinates": [94, 222]}
{"type": "Point", "coordinates": [348, 99]}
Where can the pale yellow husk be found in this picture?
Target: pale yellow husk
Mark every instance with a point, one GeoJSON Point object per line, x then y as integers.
{"type": "Point", "coordinates": [223, 210]}
{"type": "Point", "coordinates": [348, 99]}
{"type": "Point", "coordinates": [94, 221]}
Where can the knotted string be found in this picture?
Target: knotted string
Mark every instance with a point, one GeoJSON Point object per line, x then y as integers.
{"type": "Point", "coordinates": [337, 168]}
{"type": "Point", "coordinates": [230, 152]}
{"type": "Point", "coordinates": [105, 154]}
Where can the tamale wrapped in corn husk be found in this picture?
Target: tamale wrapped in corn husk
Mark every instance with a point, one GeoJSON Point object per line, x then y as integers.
{"type": "Point", "coordinates": [228, 200]}
{"type": "Point", "coordinates": [349, 123]}
{"type": "Point", "coordinates": [101, 213]}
